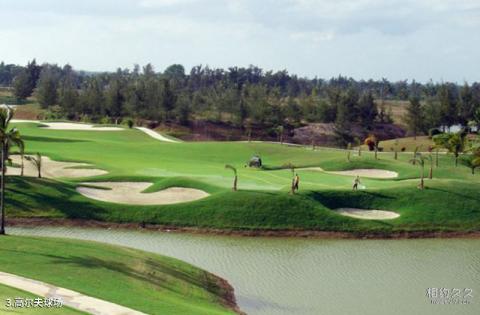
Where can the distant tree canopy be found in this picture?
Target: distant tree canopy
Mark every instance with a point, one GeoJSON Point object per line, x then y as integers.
{"type": "Point", "coordinates": [240, 96]}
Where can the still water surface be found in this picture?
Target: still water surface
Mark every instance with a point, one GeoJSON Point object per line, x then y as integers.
{"type": "Point", "coordinates": [315, 276]}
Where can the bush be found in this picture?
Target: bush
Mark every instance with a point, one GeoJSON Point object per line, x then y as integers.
{"type": "Point", "coordinates": [105, 120]}
{"type": "Point", "coordinates": [54, 113]}
{"type": "Point", "coordinates": [433, 132]}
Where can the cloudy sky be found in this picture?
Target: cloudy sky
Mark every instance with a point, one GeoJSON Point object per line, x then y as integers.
{"type": "Point", "coordinates": [396, 39]}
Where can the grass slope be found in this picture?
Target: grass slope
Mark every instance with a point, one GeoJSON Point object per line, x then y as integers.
{"type": "Point", "coordinates": [146, 282]}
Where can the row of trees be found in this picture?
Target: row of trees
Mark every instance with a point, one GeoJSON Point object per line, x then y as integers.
{"type": "Point", "coordinates": [243, 97]}
{"type": "Point", "coordinates": [202, 77]}
{"type": "Point", "coordinates": [448, 106]}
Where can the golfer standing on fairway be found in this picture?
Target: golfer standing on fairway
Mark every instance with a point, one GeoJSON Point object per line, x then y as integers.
{"type": "Point", "coordinates": [356, 182]}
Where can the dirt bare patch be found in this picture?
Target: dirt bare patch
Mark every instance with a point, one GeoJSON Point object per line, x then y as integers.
{"type": "Point", "coordinates": [132, 193]}
{"type": "Point", "coordinates": [367, 214]}
{"type": "Point", "coordinates": [53, 169]}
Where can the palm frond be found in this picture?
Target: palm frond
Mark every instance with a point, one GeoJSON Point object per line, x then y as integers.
{"type": "Point", "coordinates": [228, 166]}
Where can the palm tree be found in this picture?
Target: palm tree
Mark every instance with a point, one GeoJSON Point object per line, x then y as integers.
{"type": "Point", "coordinates": [37, 162]}
{"type": "Point", "coordinates": [455, 143]}
{"type": "Point", "coordinates": [8, 138]}
{"type": "Point", "coordinates": [471, 161]}
{"type": "Point", "coordinates": [430, 159]}
{"type": "Point", "coordinates": [349, 151]}
{"type": "Point", "coordinates": [235, 179]}
{"type": "Point", "coordinates": [280, 130]}
{"type": "Point", "coordinates": [420, 159]}
{"type": "Point", "coordinates": [395, 149]}
{"type": "Point", "coordinates": [415, 153]}
{"type": "Point", "coordinates": [21, 147]}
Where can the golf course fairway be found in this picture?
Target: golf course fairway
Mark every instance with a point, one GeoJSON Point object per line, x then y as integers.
{"type": "Point", "coordinates": [262, 203]}
{"type": "Point", "coordinates": [448, 204]}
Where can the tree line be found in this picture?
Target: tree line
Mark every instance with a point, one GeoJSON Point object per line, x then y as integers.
{"type": "Point", "coordinates": [243, 97]}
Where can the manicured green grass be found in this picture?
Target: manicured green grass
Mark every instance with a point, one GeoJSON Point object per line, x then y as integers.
{"type": "Point", "coordinates": [143, 281]}
{"type": "Point", "coordinates": [7, 292]}
{"type": "Point", "coordinates": [450, 201]}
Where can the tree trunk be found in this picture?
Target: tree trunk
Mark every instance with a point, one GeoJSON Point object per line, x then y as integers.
{"type": "Point", "coordinates": [456, 160]}
{"type": "Point", "coordinates": [22, 167]}
{"type": "Point", "coordinates": [235, 183]}
{"type": "Point", "coordinates": [436, 158]}
{"type": "Point", "coordinates": [376, 151]}
{"type": "Point", "coordinates": [473, 170]}
{"type": "Point", "coordinates": [2, 190]}
{"type": "Point", "coordinates": [396, 154]}
{"type": "Point", "coordinates": [430, 174]}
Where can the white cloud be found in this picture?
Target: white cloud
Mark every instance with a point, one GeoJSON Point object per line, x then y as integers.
{"type": "Point", "coordinates": [163, 3]}
{"type": "Point", "coordinates": [397, 39]}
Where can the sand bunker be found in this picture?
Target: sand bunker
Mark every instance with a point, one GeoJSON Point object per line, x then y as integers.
{"type": "Point", "coordinates": [362, 172]}
{"type": "Point", "coordinates": [67, 125]}
{"type": "Point", "coordinates": [372, 173]}
{"type": "Point", "coordinates": [131, 193]}
{"type": "Point", "coordinates": [367, 214]}
{"type": "Point", "coordinates": [75, 126]}
{"type": "Point", "coordinates": [53, 169]}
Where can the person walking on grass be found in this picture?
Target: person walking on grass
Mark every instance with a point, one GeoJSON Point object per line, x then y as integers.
{"type": "Point", "coordinates": [356, 182]}
{"type": "Point", "coordinates": [296, 182]}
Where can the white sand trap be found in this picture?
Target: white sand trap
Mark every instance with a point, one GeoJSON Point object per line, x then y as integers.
{"type": "Point", "coordinates": [368, 214]}
{"type": "Point", "coordinates": [156, 135]}
{"type": "Point", "coordinates": [67, 125]}
{"type": "Point", "coordinates": [371, 173]}
{"type": "Point", "coordinates": [53, 169]}
{"type": "Point", "coordinates": [75, 126]}
{"type": "Point", "coordinates": [131, 193]}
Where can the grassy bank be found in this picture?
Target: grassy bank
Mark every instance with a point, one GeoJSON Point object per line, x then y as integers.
{"type": "Point", "coordinates": [146, 282]}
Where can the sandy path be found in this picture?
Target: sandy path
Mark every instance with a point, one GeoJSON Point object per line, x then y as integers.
{"type": "Point", "coordinates": [156, 135]}
{"type": "Point", "coordinates": [131, 193]}
{"type": "Point", "coordinates": [368, 214]}
{"type": "Point", "coordinates": [53, 169]}
{"type": "Point", "coordinates": [69, 298]}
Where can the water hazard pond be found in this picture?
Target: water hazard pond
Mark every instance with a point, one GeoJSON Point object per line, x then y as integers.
{"type": "Point", "coordinates": [315, 276]}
